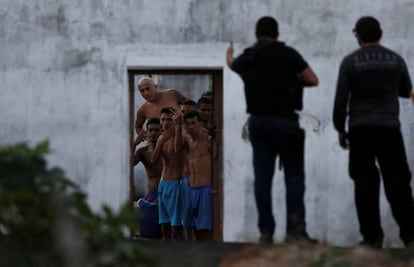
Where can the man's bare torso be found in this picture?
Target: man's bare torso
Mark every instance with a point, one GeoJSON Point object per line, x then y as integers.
{"type": "Point", "coordinates": [153, 170]}
{"type": "Point", "coordinates": [174, 162]}
{"type": "Point", "coordinates": [199, 161]}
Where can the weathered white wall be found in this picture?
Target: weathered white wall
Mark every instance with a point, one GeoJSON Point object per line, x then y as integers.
{"type": "Point", "coordinates": [64, 77]}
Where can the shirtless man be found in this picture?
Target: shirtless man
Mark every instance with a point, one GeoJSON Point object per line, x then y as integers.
{"type": "Point", "coordinates": [171, 190]}
{"type": "Point", "coordinates": [149, 227]}
{"type": "Point", "coordinates": [154, 101]}
{"type": "Point", "coordinates": [207, 94]}
{"type": "Point", "coordinates": [205, 108]}
{"type": "Point", "coordinates": [199, 163]}
{"type": "Point", "coordinates": [187, 106]}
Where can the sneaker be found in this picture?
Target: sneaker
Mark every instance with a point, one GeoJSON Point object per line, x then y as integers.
{"type": "Point", "coordinates": [297, 237]}
{"type": "Point", "coordinates": [266, 239]}
{"type": "Point", "coordinates": [409, 244]}
{"type": "Point", "coordinates": [375, 244]}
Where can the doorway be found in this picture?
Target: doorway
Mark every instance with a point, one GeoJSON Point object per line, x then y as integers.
{"type": "Point", "coordinates": [192, 83]}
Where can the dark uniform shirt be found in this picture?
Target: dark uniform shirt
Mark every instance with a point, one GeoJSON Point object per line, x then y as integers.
{"type": "Point", "coordinates": [369, 83]}
{"type": "Point", "coordinates": [268, 69]}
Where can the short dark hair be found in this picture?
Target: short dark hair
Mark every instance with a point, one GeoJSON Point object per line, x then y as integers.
{"type": "Point", "coordinates": [192, 114]}
{"type": "Point", "coordinates": [207, 93]}
{"type": "Point", "coordinates": [368, 29]}
{"type": "Point", "coordinates": [189, 102]}
{"type": "Point", "coordinates": [267, 27]}
{"type": "Point", "coordinates": [204, 100]}
{"type": "Point", "coordinates": [153, 121]}
{"type": "Point", "coordinates": [167, 110]}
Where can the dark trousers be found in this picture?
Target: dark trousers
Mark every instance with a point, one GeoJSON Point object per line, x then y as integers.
{"type": "Point", "coordinates": [385, 146]}
{"type": "Point", "coordinates": [271, 137]}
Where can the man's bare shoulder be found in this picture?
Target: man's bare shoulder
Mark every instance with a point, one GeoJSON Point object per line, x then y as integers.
{"type": "Point", "coordinates": [177, 95]}
{"type": "Point", "coordinates": [142, 109]}
{"type": "Point", "coordinates": [144, 106]}
{"type": "Point", "coordinates": [169, 91]}
{"type": "Point", "coordinates": [148, 110]}
{"type": "Point", "coordinates": [142, 150]}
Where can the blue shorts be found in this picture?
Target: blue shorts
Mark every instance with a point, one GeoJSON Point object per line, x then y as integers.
{"type": "Point", "coordinates": [148, 222]}
{"type": "Point", "coordinates": [185, 195]}
{"type": "Point", "coordinates": [200, 208]}
{"type": "Point", "coordinates": [171, 202]}
{"type": "Point", "coordinates": [186, 200]}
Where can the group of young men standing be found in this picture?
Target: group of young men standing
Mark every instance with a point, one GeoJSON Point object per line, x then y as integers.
{"type": "Point", "coordinates": [177, 159]}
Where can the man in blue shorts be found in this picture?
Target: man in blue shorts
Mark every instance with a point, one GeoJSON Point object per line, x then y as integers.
{"type": "Point", "coordinates": [199, 164]}
{"type": "Point", "coordinates": [148, 223]}
{"type": "Point", "coordinates": [171, 189]}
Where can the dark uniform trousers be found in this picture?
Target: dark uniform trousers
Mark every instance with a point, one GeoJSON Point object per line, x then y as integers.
{"type": "Point", "coordinates": [385, 146]}
{"type": "Point", "coordinates": [273, 136]}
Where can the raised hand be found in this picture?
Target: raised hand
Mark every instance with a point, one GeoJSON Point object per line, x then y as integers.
{"type": "Point", "coordinates": [142, 135]}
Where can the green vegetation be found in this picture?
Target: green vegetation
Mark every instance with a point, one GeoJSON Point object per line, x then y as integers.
{"type": "Point", "coordinates": [45, 219]}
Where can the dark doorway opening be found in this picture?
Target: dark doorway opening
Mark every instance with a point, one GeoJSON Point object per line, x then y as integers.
{"type": "Point", "coordinates": [191, 82]}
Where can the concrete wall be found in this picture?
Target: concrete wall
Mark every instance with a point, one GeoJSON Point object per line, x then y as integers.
{"type": "Point", "coordinates": [64, 77]}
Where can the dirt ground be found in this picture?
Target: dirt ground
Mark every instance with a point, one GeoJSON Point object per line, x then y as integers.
{"type": "Point", "coordinates": [302, 253]}
{"type": "Point", "coordinates": [315, 255]}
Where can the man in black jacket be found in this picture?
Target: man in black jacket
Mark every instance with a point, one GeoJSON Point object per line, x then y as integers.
{"type": "Point", "coordinates": [369, 83]}
{"type": "Point", "coordinates": [269, 70]}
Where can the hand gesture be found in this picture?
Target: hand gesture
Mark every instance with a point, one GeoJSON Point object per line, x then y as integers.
{"type": "Point", "coordinates": [230, 49]}
{"type": "Point", "coordinates": [229, 54]}
{"type": "Point", "coordinates": [142, 135]}
{"type": "Point", "coordinates": [166, 135]}
{"type": "Point", "coordinates": [177, 117]}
